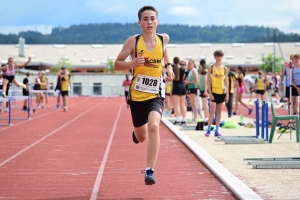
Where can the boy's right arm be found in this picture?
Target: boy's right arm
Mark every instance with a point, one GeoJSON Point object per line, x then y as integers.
{"type": "Point", "coordinates": [128, 50]}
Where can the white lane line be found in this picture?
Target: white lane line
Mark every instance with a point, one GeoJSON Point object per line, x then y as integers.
{"type": "Point", "coordinates": [41, 116]}
{"type": "Point", "coordinates": [96, 187]}
{"type": "Point", "coordinates": [48, 135]}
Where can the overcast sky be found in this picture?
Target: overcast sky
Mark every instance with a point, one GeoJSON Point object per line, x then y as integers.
{"type": "Point", "coordinates": [42, 15]}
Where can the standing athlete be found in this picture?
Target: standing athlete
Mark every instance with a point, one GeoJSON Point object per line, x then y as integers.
{"type": "Point", "coordinates": [147, 91]}
{"type": "Point", "coordinates": [126, 85]}
{"type": "Point", "coordinates": [65, 80]}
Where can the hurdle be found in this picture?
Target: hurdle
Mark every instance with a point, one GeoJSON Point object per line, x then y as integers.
{"type": "Point", "coordinates": [274, 162]}
{"type": "Point", "coordinates": [10, 100]}
{"type": "Point", "coordinates": [44, 91]}
{"type": "Point", "coordinates": [258, 138]}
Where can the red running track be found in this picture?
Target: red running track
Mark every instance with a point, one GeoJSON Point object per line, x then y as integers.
{"type": "Point", "coordinates": [87, 153]}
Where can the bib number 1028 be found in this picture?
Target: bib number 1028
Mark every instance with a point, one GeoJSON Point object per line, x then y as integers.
{"type": "Point", "coordinates": [149, 81]}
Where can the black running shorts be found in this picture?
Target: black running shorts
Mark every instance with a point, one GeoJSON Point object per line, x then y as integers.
{"type": "Point", "coordinates": [141, 109]}
{"type": "Point", "coordinates": [9, 78]}
{"type": "Point", "coordinates": [64, 93]}
{"type": "Point", "coordinates": [294, 91]}
{"type": "Point", "coordinates": [218, 98]}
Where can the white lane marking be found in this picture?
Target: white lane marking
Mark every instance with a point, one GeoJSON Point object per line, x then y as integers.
{"type": "Point", "coordinates": [48, 135]}
{"type": "Point", "coordinates": [96, 187]}
{"type": "Point", "coordinates": [40, 116]}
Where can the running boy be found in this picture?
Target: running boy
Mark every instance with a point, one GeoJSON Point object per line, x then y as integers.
{"type": "Point", "coordinates": [218, 90]}
{"type": "Point", "coordinates": [147, 91]}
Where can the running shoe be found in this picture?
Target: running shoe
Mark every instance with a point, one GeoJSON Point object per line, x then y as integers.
{"type": "Point", "coordinates": [57, 106]}
{"type": "Point", "coordinates": [207, 134]}
{"type": "Point", "coordinates": [3, 95]}
{"type": "Point", "coordinates": [234, 113]}
{"type": "Point", "coordinates": [47, 107]}
{"type": "Point", "coordinates": [65, 109]}
{"type": "Point", "coordinates": [43, 107]}
{"type": "Point", "coordinates": [183, 123]}
{"type": "Point", "coordinates": [250, 111]}
{"type": "Point", "coordinates": [134, 138]}
{"type": "Point", "coordinates": [217, 134]}
{"type": "Point", "coordinates": [149, 177]}
{"type": "Point", "coordinates": [177, 122]}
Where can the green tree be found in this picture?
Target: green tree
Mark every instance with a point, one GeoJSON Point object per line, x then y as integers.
{"type": "Point", "coordinates": [110, 66]}
{"type": "Point", "coordinates": [62, 63]}
{"type": "Point", "coordinates": [268, 64]}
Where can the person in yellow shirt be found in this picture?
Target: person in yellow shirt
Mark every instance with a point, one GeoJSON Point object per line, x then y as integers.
{"type": "Point", "coordinates": [217, 82]}
{"type": "Point", "coordinates": [44, 86]}
{"type": "Point", "coordinates": [147, 91]}
{"type": "Point", "coordinates": [260, 85]}
{"type": "Point", "coordinates": [231, 80]}
{"type": "Point", "coordinates": [65, 85]}
{"type": "Point", "coordinates": [168, 103]}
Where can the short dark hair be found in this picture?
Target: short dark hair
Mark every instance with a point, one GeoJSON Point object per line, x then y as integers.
{"type": "Point", "coordinates": [144, 8]}
{"type": "Point", "coordinates": [218, 53]}
{"type": "Point", "coordinates": [27, 74]}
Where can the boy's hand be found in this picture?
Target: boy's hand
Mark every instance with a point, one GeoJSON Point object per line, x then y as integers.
{"type": "Point", "coordinates": [226, 98]}
{"type": "Point", "coordinates": [170, 74]}
{"type": "Point", "coordinates": [211, 97]}
{"type": "Point", "coordinates": [139, 61]}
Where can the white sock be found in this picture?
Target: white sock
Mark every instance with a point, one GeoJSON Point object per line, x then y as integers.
{"type": "Point", "coordinates": [147, 168]}
{"type": "Point", "coordinates": [178, 119]}
{"type": "Point", "coordinates": [184, 119]}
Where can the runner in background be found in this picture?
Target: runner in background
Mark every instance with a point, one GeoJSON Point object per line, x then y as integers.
{"type": "Point", "coordinates": [217, 80]}
{"type": "Point", "coordinates": [9, 76]}
{"type": "Point", "coordinates": [286, 75]}
{"type": "Point", "coordinates": [45, 86]}
{"type": "Point", "coordinates": [168, 102]}
{"type": "Point", "coordinates": [26, 91]}
{"type": "Point", "coordinates": [231, 84]}
{"type": "Point", "coordinates": [202, 72]}
{"type": "Point", "coordinates": [126, 85]}
{"type": "Point", "coordinates": [192, 86]}
{"type": "Point", "coordinates": [240, 88]}
{"type": "Point", "coordinates": [39, 94]}
{"type": "Point", "coordinates": [66, 83]}
{"type": "Point", "coordinates": [250, 84]}
{"type": "Point", "coordinates": [276, 85]}
{"type": "Point", "coordinates": [58, 87]}
{"type": "Point", "coordinates": [261, 86]}
{"type": "Point", "coordinates": [179, 91]}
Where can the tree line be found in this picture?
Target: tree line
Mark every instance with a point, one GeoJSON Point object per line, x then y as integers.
{"type": "Point", "coordinates": [117, 33]}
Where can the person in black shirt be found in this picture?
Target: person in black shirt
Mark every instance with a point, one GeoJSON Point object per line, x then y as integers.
{"type": "Point", "coordinates": [26, 91]}
{"type": "Point", "coordinates": [179, 91]}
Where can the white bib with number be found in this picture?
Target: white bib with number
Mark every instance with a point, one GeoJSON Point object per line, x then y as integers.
{"type": "Point", "coordinates": [148, 84]}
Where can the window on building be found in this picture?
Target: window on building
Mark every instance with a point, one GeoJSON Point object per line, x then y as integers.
{"type": "Point", "coordinates": [77, 89]}
{"type": "Point", "coordinates": [97, 88]}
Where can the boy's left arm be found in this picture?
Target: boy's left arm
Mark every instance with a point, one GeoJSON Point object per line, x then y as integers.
{"type": "Point", "coordinates": [226, 84]}
{"type": "Point", "coordinates": [167, 63]}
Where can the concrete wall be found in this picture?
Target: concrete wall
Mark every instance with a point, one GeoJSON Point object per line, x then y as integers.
{"type": "Point", "coordinates": [111, 84]}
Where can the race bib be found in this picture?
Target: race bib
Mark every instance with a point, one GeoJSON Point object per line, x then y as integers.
{"type": "Point", "coordinates": [147, 84]}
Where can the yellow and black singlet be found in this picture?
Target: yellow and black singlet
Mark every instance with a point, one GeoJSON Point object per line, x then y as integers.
{"type": "Point", "coordinates": [260, 83]}
{"type": "Point", "coordinates": [148, 82]}
{"type": "Point", "coordinates": [217, 79]}
{"type": "Point", "coordinates": [43, 80]}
